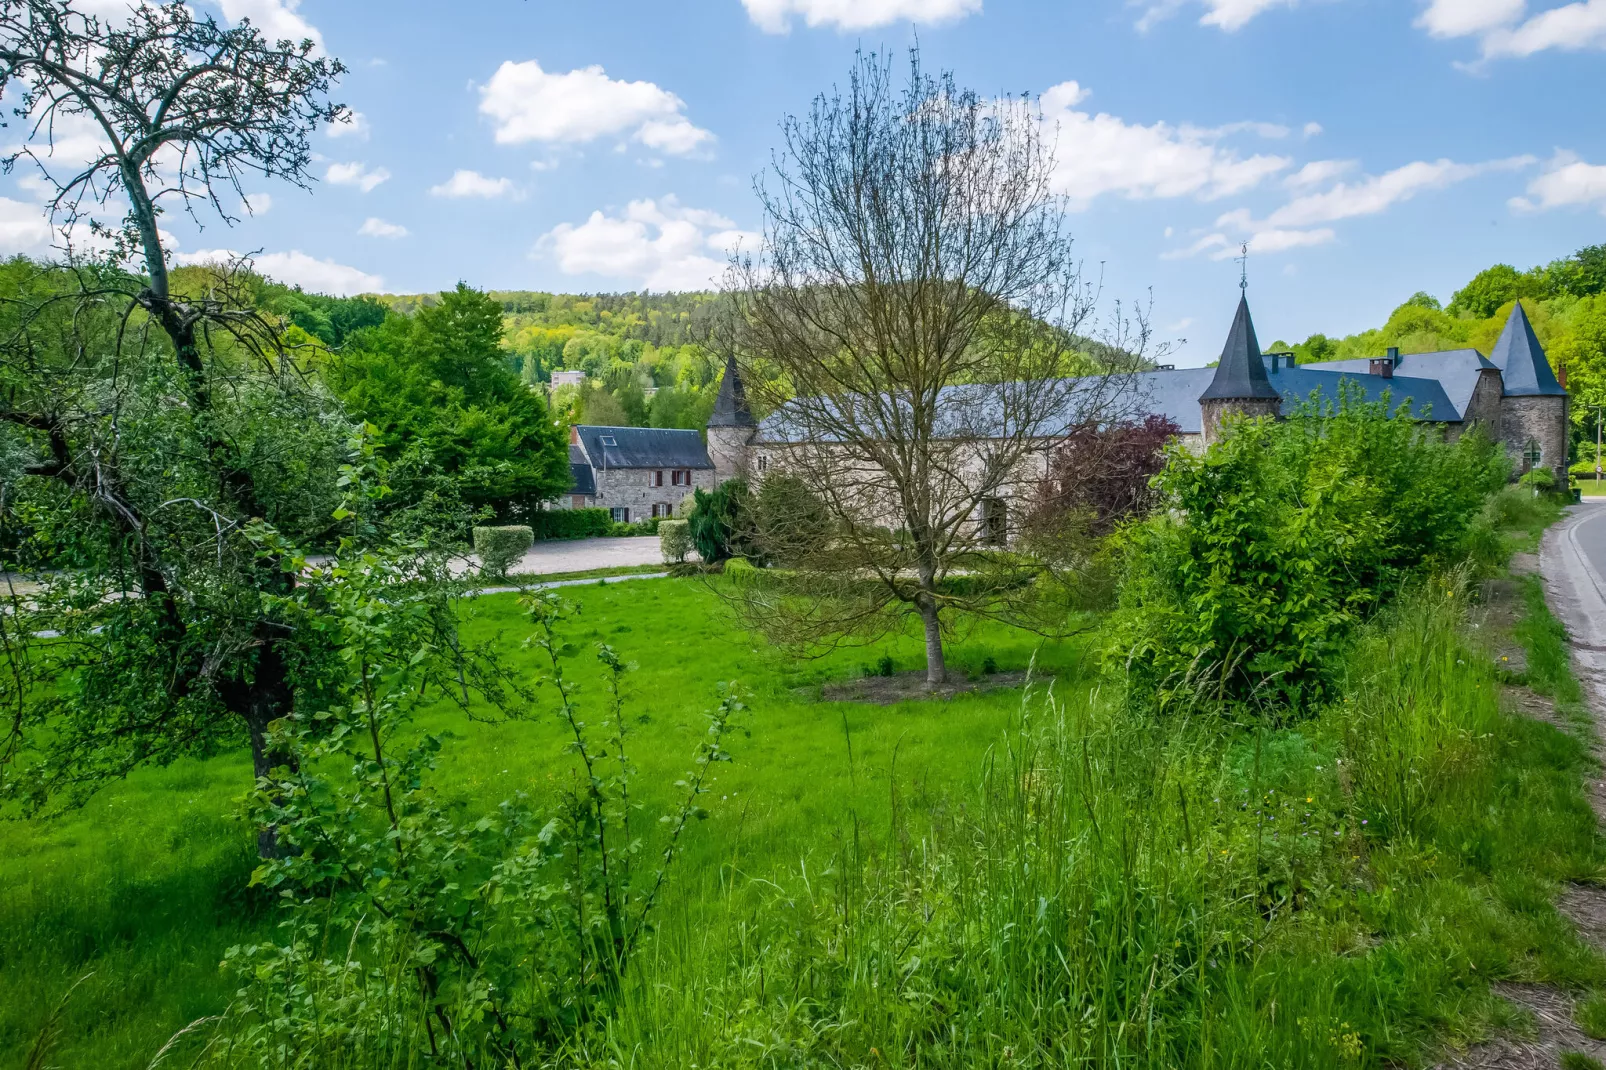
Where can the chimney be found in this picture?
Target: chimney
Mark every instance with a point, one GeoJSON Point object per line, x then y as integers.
{"type": "Point", "coordinates": [1383, 366]}
{"type": "Point", "coordinates": [574, 435]}
{"type": "Point", "coordinates": [1394, 355]}
{"type": "Point", "coordinates": [1561, 376]}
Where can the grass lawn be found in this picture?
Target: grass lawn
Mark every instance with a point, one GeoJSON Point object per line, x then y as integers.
{"type": "Point", "coordinates": [143, 889]}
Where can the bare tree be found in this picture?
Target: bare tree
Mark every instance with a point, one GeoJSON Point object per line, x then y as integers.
{"type": "Point", "coordinates": [179, 456]}
{"type": "Point", "coordinates": [915, 322]}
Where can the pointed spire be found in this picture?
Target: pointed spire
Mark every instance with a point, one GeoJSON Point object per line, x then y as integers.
{"type": "Point", "coordinates": [730, 407]}
{"type": "Point", "coordinates": [1241, 374]}
{"type": "Point", "coordinates": [1521, 359]}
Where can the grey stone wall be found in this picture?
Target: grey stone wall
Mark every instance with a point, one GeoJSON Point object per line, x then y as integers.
{"type": "Point", "coordinates": [631, 488]}
{"type": "Point", "coordinates": [1212, 412]}
{"type": "Point", "coordinates": [1483, 410]}
{"type": "Point", "coordinates": [1542, 419]}
{"type": "Point", "coordinates": [731, 450]}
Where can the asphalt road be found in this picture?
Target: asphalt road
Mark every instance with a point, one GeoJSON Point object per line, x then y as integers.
{"type": "Point", "coordinates": [1590, 532]}
{"type": "Point", "coordinates": [1572, 560]}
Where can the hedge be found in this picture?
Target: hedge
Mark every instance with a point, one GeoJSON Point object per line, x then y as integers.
{"type": "Point", "coordinates": [500, 547]}
{"type": "Point", "coordinates": [571, 523]}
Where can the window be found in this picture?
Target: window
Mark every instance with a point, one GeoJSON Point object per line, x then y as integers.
{"type": "Point", "coordinates": [663, 509]}
{"type": "Point", "coordinates": [609, 440]}
{"type": "Point", "coordinates": [763, 462]}
{"type": "Point", "coordinates": [685, 477]}
{"type": "Point", "coordinates": [994, 521]}
{"type": "Point", "coordinates": [658, 478]}
{"type": "Point", "coordinates": [620, 515]}
{"type": "Point", "coordinates": [675, 478]}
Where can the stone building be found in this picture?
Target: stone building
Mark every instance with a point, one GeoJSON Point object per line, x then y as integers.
{"type": "Point", "coordinates": [1512, 393]}
{"type": "Point", "coordinates": [635, 472]}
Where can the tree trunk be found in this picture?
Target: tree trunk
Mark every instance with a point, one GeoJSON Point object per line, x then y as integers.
{"type": "Point", "coordinates": [265, 699]}
{"type": "Point", "coordinates": [936, 666]}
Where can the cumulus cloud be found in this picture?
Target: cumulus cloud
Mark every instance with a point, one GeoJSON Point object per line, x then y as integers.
{"type": "Point", "coordinates": [1097, 154]}
{"type": "Point", "coordinates": [658, 245]}
{"type": "Point", "coordinates": [1229, 15]}
{"type": "Point", "coordinates": [526, 103]}
{"type": "Point", "coordinates": [258, 203]}
{"type": "Point", "coordinates": [277, 19]}
{"type": "Point", "coordinates": [1301, 221]}
{"type": "Point", "coordinates": [355, 174]}
{"type": "Point", "coordinates": [775, 16]}
{"type": "Point", "coordinates": [1505, 29]}
{"type": "Point", "coordinates": [23, 228]}
{"type": "Point", "coordinates": [1567, 181]}
{"type": "Point", "coordinates": [296, 269]}
{"type": "Point", "coordinates": [473, 184]}
{"type": "Point", "coordinates": [374, 227]}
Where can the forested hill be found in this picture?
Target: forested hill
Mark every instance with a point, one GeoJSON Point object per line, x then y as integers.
{"type": "Point", "coordinates": [1565, 299]}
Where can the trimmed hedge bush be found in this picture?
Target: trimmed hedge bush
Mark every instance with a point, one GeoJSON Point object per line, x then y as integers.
{"type": "Point", "coordinates": [674, 539]}
{"type": "Point", "coordinates": [500, 547]}
{"type": "Point", "coordinates": [571, 523]}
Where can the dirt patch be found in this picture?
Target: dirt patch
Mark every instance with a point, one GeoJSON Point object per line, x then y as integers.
{"type": "Point", "coordinates": [1554, 1033]}
{"type": "Point", "coordinates": [1585, 906]}
{"type": "Point", "coordinates": [911, 687]}
{"type": "Point", "coordinates": [1501, 604]}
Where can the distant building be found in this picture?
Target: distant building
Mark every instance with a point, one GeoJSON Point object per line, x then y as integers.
{"type": "Point", "coordinates": [568, 377]}
{"type": "Point", "coordinates": [635, 472]}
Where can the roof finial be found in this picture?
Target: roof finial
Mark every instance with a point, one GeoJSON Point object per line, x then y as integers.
{"type": "Point", "coordinates": [1243, 266]}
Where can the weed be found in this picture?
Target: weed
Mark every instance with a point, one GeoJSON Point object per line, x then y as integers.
{"type": "Point", "coordinates": [1590, 1014]}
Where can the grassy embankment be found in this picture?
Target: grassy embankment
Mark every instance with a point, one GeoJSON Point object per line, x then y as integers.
{"type": "Point", "coordinates": [144, 888]}
{"type": "Point", "coordinates": [989, 881]}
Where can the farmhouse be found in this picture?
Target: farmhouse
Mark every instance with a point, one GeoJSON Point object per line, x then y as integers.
{"type": "Point", "coordinates": [1512, 393]}
{"type": "Point", "coordinates": [635, 472]}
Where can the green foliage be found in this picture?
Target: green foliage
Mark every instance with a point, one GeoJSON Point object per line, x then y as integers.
{"type": "Point", "coordinates": [407, 929]}
{"type": "Point", "coordinates": [499, 547]}
{"type": "Point", "coordinates": [1491, 288]}
{"type": "Point", "coordinates": [571, 523]}
{"type": "Point", "coordinates": [791, 524]}
{"type": "Point", "coordinates": [1577, 1060]}
{"type": "Point", "coordinates": [1590, 1014]}
{"type": "Point", "coordinates": [674, 540]}
{"type": "Point", "coordinates": [447, 408]}
{"type": "Point", "coordinates": [1278, 540]}
{"type": "Point", "coordinates": [721, 521]}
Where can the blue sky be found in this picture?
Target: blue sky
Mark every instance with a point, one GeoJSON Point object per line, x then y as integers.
{"type": "Point", "coordinates": [1366, 148]}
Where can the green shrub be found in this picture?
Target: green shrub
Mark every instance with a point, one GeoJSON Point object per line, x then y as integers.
{"type": "Point", "coordinates": [500, 547]}
{"type": "Point", "coordinates": [790, 522]}
{"type": "Point", "coordinates": [571, 523]}
{"type": "Point", "coordinates": [721, 521]}
{"type": "Point", "coordinates": [1540, 479]}
{"type": "Point", "coordinates": [674, 540]}
{"type": "Point", "coordinates": [1282, 537]}
{"type": "Point", "coordinates": [649, 526]}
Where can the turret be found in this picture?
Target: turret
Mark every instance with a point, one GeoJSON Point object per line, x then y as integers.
{"type": "Point", "coordinates": [1533, 405]}
{"type": "Point", "coordinates": [1240, 384]}
{"type": "Point", "coordinates": [731, 428]}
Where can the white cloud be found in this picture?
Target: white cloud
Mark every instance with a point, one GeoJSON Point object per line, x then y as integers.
{"type": "Point", "coordinates": [1458, 18]}
{"type": "Point", "coordinates": [1375, 193]}
{"type": "Point", "coordinates": [529, 104]}
{"type": "Point", "coordinates": [1506, 30]}
{"type": "Point", "coordinates": [1312, 129]}
{"type": "Point", "coordinates": [775, 16]}
{"type": "Point", "coordinates": [1317, 173]}
{"type": "Point", "coordinates": [659, 245]}
{"type": "Point", "coordinates": [277, 19]}
{"type": "Point", "coordinates": [23, 228]}
{"type": "Point", "coordinates": [297, 269]}
{"type": "Point", "coordinates": [358, 126]}
{"type": "Point", "coordinates": [374, 227]}
{"type": "Point", "coordinates": [1300, 222]}
{"type": "Point", "coordinates": [473, 184]}
{"type": "Point", "coordinates": [1230, 15]}
{"type": "Point", "coordinates": [1567, 181]}
{"type": "Point", "coordinates": [356, 174]}
{"type": "Point", "coordinates": [1096, 154]}
{"type": "Point", "coordinates": [258, 203]}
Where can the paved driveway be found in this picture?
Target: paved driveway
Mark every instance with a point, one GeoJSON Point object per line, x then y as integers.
{"type": "Point", "coordinates": [580, 555]}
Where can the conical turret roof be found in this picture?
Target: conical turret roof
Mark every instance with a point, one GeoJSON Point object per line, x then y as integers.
{"type": "Point", "coordinates": [1521, 359]}
{"type": "Point", "coordinates": [1241, 374]}
{"type": "Point", "coordinates": [730, 407]}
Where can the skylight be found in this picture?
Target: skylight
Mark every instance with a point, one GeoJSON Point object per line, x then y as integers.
{"type": "Point", "coordinates": [609, 440]}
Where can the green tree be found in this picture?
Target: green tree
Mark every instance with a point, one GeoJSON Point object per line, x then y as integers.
{"type": "Point", "coordinates": [1491, 288]}
{"type": "Point", "coordinates": [440, 390]}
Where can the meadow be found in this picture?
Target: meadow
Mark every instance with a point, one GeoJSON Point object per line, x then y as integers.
{"type": "Point", "coordinates": [141, 892]}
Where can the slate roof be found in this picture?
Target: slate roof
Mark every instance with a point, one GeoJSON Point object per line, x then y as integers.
{"type": "Point", "coordinates": [730, 406]}
{"type": "Point", "coordinates": [1521, 359]}
{"type": "Point", "coordinates": [581, 478]}
{"type": "Point", "coordinates": [641, 447]}
{"type": "Point", "coordinates": [1240, 374]}
{"type": "Point", "coordinates": [1456, 370]}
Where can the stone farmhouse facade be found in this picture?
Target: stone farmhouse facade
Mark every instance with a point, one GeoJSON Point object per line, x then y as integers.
{"type": "Point", "coordinates": [636, 473]}
{"type": "Point", "coordinates": [1512, 393]}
